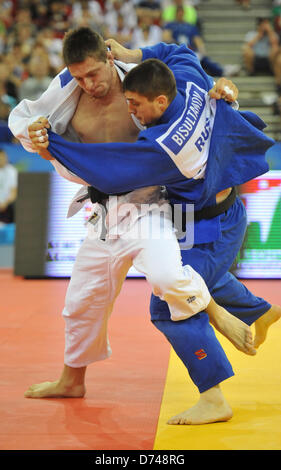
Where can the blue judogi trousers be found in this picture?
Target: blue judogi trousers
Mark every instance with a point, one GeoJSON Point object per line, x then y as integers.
{"type": "Point", "coordinates": [193, 339]}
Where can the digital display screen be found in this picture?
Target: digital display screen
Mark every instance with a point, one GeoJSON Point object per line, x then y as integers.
{"type": "Point", "coordinates": [260, 255]}
{"type": "Point", "coordinates": [47, 241]}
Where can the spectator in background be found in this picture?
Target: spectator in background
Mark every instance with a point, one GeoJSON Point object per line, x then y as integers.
{"type": "Point", "coordinates": [8, 189]}
{"type": "Point", "coordinates": [23, 15]}
{"type": "Point", "coordinates": [25, 36]}
{"type": "Point", "coordinates": [59, 16]}
{"type": "Point", "coordinates": [39, 79]}
{"type": "Point", "coordinates": [8, 97]}
{"type": "Point", "coordinates": [5, 107]}
{"type": "Point", "coordinates": [87, 11]}
{"type": "Point", "coordinates": [6, 14]}
{"type": "Point", "coordinates": [262, 54]}
{"type": "Point", "coordinates": [146, 33]}
{"type": "Point", "coordinates": [153, 7]}
{"type": "Point", "coordinates": [16, 64]}
{"type": "Point", "coordinates": [260, 48]}
{"type": "Point", "coordinates": [53, 48]}
{"type": "Point", "coordinates": [89, 14]}
{"type": "Point", "coordinates": [39, 13]}
{"type": "Point", "coordinates": [3, 34]}
{"type": "Point", "coordinates": [120, 32]}
{"type": "Point", "coordinates": [170, 12]}
{"type": "Point", "coordinates": [182, 32]}
{"type": "Point", "coordinates": [22, 34]}
{"type": "Point", "coordinates": [276, 17]}
{"type": "Point", "coordinates": [8, 81]}
{"type": "Point", "coordinates": [114, 8]}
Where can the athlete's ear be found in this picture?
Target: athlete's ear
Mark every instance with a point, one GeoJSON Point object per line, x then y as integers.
{"type": "Point", "coordinates": [162, 101]}
{"type": "Point", "coordinates": [110, 57]}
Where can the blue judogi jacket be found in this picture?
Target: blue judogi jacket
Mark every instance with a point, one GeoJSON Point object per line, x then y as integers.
{"type": "Point", "coordinates": [198, 147]}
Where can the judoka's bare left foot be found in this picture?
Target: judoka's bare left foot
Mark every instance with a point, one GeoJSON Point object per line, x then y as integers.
{"type": "Point", "coordinates": [264, 322]}
{"type": "Point", "coordinates": [70, 385]}
{"type": "Point", "coordinates": [54, 390]}
{"type": "Point", "coordinates": [211, 408]}
{"type": "Point", "coordinates": [236, 331]}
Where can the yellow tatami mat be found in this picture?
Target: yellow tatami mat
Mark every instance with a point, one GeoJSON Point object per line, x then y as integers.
{"type": "Point", "coordinates": [254, 394]}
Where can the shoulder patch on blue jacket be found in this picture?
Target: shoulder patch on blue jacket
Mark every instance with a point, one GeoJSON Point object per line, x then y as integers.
{"type": "Point", "coordinates": [65, 78]}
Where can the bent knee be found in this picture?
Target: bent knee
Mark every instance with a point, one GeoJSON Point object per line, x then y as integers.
{"type": "Point", "coordinates": [166, 281]}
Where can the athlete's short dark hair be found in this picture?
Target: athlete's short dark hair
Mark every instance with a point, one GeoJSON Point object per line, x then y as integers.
{"type": "Point", "coordinates": [83, 42]}
{"type": "Point", "coordinates": [151, 78]}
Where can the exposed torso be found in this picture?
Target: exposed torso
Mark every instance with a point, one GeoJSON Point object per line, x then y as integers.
{"type": "Point", "coordinates": [101, 120]}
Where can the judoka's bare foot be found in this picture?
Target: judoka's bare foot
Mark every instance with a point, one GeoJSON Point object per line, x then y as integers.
{"type": "Point", "coordinates": [211, 408]}
{"type": "Point", "coordinates": [54, 390]}
{"type": "Point", "coordinates": [264, 322]}
{"type": "Point", "coordinates": [236, 331]}
{"type": "Point", "coordinates": [70, 385]}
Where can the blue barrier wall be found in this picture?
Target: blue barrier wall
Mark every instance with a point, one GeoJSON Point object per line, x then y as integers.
{"type": "Point", "coordinates": [25, 161]}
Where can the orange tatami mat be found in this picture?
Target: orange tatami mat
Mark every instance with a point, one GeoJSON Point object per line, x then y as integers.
{"type": "Point", "coordinates": [122, 403]}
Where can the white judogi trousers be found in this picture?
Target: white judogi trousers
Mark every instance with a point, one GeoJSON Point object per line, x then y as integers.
{"type": "Point", "coordinates": [100, 270]}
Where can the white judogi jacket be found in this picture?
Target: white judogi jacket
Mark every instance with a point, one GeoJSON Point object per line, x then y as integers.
{"type": "Point", "coordinates": [58, 104]}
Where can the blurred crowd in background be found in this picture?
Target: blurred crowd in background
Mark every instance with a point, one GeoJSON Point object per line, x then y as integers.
{"type": "Point", "coordinates": [31, 34]}
{"type": "Point", "coordinates": [32, 31]}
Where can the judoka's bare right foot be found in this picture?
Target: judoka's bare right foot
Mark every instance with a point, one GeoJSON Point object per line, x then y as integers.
{"type": "Point", "coordinates": [70, 385]}
{"type": "Point", "coordinates": [236, 331]}
{"type": "Point", "coordinates": [211, 408]}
